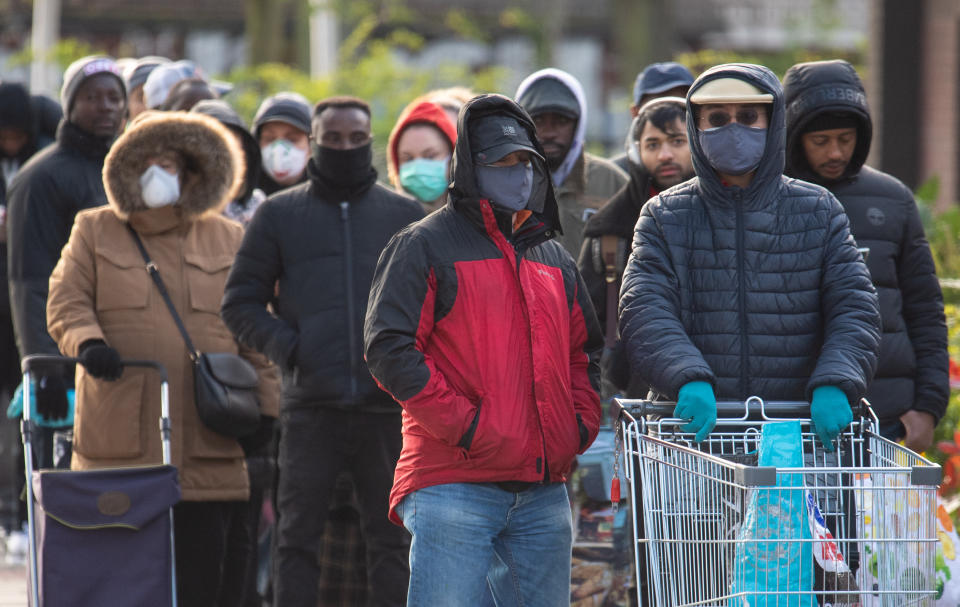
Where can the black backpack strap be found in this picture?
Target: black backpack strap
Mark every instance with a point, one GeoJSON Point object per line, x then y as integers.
{"type": "Point", "coordinates": [155, 275]}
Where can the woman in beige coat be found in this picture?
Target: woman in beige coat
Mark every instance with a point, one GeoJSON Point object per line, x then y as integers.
{"type": "Point", "coordinates": [169, 176]}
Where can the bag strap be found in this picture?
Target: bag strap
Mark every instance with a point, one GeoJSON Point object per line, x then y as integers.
{"type": "Point", "coordinates": [609, 245]}
{"type": "Point", "coordinates": [155, 275]}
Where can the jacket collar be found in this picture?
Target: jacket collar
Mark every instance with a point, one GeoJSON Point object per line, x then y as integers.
{"type": "Point", "coordinates": [72, 137]}
{"type": "Point", "coordinates": [158, 221]}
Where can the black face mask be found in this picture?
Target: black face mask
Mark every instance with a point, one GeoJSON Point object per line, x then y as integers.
{"type": "Point", "coordinates": [343, 168]}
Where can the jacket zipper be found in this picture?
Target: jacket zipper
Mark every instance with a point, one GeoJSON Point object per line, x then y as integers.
{"type": "Point", "coordinates": [542, 468]}
{"type": "Point", "coordinates": [348, 271]}
{"type": "Point", "coordinates": [742, 295]}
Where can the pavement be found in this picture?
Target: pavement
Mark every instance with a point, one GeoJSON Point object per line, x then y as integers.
{"type": "Point", "coordinates": [13, 585]}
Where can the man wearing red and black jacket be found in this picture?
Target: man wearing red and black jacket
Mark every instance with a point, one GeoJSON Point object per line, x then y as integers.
{"type": "Point", "coordinates": [480, 326]}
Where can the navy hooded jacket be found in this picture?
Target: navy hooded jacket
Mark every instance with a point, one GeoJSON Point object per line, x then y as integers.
{"type": "Point", "coordinates": [759, 291]}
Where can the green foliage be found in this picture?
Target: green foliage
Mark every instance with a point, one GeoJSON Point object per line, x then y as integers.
{"type": "Point", "coordinates": [943, 234]}
{"type": "Point", "coordinates": [951, 419]}
{"type": "Point", "coordinates": [779, 61]}
{"type": "Point", "coordinates": [62, 54]}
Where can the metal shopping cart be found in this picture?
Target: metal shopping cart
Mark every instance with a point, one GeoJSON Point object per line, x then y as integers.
{"type": "Point", "coordinates": [693, 526]}
{"type": "Point", "coordinates": [102, 537]}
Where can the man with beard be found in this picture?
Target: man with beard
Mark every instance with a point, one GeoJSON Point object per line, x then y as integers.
{"type": "Point", "coordinates": [582, 182]}
{"type": "Point", "coordinates": [660, 151]}
{"type": "Point", "coordinates": [44, 197]}
{"type": "Point", "coordinates": [828, 139]}
{"type": "Point", "coordinates": [317, 244]}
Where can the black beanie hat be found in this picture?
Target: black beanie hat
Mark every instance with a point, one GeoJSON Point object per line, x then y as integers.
{"type": "Point", "coordinates": [829, 120]}
{"type": "Point", "coordinates": [15, 109]}
{"type": "Point", "coordinates": [80, 70]}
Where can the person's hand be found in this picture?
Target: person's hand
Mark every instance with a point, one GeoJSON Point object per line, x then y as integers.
{"type": "Point", "coordinates": [919, 426]}
{"type": "Point", "coordinates": [697, 403]}
{"type": "Point", "coordinates": [100, 360]}
{"type": "Point", "coordinates": [51, 395]}
{"type": "Point", "coordinates": [830, 413]}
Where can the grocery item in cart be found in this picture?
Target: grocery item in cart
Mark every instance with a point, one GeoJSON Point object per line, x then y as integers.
{"type": "Point", "coordinates": [832, 569]}
{"type": "Point", "coordinates": [771, 556]}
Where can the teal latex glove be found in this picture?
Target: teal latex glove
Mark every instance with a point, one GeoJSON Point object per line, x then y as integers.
{"type": "Point", "coordinates": [830, 413]}
{"type": "Point", "coordinates": [697, 403]}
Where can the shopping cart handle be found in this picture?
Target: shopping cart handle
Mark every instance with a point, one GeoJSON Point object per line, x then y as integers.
{"type": "Point", "coordinates": [753, 406]}
{"type": "Point", "coordinates": [29, 363]}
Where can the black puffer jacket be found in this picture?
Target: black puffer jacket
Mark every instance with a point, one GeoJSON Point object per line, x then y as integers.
{"type": "Point", "coordinates": [43, 199]}
{"type": "Point", "coordinates": [912, 372]}
{"type": "Point", "coordinates": [757, 291]}
{"type": "Point", "coordinates": [322, 252]}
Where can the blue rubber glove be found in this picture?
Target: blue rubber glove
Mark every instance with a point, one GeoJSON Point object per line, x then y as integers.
{"type": "Point", "coordinates": [830, 413]}
{"type": "Point", "coordinates": [697, 403]}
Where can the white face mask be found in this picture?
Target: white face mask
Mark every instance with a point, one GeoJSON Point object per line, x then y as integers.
{"type": "Point", "coordinates": [282, 160]}
{"type": "Point", "coordinates": [158, 187]}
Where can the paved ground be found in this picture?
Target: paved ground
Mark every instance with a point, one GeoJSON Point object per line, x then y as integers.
{"type": "Point", "coordinates": [13, 585]}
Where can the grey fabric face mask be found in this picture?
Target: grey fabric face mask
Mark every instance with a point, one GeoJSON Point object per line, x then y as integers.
{"type": "Point", "coordinates": [733, 149]}
{"type": "Point", "coordinates": [507, 187]}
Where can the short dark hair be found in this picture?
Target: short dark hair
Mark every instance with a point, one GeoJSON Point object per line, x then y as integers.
{"type": "Point", "coordinates": [341, 102]}
{"type": "Point", "coordinates": [662, 113]}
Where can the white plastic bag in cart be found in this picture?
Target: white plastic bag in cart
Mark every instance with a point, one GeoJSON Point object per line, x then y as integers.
{"type": "Point", "coordinates": [948, 566]}
{"type": "Point", "coordinates": [888, 566]}
{"type": "Point", "coordinates": [771, 556]}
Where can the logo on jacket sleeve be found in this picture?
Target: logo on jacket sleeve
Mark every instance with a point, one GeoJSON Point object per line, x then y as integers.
{"type": "Point", "coordinates": [875, 216]}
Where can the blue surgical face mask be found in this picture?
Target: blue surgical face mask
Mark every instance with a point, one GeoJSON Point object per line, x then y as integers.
{"type": "Point", "coordinates": [508, 187]}
{"type": "Point", "coordinates": [733, 149]}
{"type": "Point", "coordinates": [425, 178]}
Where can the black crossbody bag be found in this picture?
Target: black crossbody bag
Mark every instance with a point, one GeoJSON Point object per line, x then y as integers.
{"type": "Point", "coordinates": [225, 385]}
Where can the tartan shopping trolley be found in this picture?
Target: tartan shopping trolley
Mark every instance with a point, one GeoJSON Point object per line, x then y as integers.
{"type": "Point", "coordinates": [714, 525]}
{"type": "Point", "coordinates": [101, 538]}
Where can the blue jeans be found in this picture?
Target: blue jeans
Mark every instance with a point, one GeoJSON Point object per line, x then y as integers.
{"type": "Point", "coordinates": [471, 539]}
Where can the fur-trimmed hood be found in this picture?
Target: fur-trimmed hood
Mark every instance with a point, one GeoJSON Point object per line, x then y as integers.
{"type": "Point", "coordinates": [214, 163]}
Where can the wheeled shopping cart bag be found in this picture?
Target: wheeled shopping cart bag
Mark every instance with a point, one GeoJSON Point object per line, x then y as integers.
{"type": "Point", "coordinates": [103, 536]}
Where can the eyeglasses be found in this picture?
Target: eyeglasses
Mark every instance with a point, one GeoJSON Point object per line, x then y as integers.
{"type": "Point", "coordinates": [746, 116]}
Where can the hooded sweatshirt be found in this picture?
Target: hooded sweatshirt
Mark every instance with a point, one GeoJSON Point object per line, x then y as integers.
{"type": "Point", "coordinates": [758, 291]}
{"type": "Point", "coordinates": [912, 372]}
{"type": "Point", "coordinates": [583, 182]}
{"type": "Point", "coordinates": [481, 328]}
{"type": "Point", "coordinates": [423, 112]}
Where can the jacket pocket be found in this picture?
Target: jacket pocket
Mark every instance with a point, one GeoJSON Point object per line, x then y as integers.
{"type": "Point", "coordinates": [122, 281]}
{"type": "Point", "coordinates": [207, 444]}
{"type": "Point", "coordinates": [107, 423]}
{"type": "Point", "coordinates": [206, 278]}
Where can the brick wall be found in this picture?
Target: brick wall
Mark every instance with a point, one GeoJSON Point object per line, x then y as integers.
{"type": "Point", "coordinates": [940, 99]}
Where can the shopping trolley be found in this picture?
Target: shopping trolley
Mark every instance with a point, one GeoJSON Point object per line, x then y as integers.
{"type": "Point", "coordinates": [102, 537]}
{"type": "Point", "coordinates": [691, 506]}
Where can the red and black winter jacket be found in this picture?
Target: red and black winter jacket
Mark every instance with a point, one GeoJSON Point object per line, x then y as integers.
{"type": "Point", "coordinates": [486, 336]}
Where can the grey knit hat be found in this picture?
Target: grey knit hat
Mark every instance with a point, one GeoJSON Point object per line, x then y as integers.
{"type": "Point", "coordinates": [80, 70]}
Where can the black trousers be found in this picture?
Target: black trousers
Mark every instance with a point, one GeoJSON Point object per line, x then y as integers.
{"type": "Point", "coordinates": [201, 530]}
{"type": "Point", "coordinates": [316, 445]}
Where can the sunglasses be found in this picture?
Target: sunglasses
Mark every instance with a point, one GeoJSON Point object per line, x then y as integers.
{"type": "Point", "coordinates": [747, 116]}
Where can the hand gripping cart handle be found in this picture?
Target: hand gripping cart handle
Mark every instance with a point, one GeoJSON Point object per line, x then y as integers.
{"type": "Point", "coordinates": [81, 503]}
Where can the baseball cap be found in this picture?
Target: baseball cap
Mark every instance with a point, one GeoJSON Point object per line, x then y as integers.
{"type": "Point", "coordinates": [550, 95]}
{"type": "Point", "coordinates": [493, 137]}
{"type": "Point", "coordinates": [729, 90]}
{"type": "Point", "coordinates": [660, 77]}
{"type": "Point", "coordinates": [288, 107]}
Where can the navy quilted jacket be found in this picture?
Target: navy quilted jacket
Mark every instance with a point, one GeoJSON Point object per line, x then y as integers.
{"type": "Point", "coordinates": [759, 291]}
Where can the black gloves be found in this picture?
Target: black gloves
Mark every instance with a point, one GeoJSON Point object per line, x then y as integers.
{"type": "Point", "coordinates": [100, 360]}
{"type": "Point", "coordinates": [51, 395]}
{"type": "Point", "coordinates": [253, 444]}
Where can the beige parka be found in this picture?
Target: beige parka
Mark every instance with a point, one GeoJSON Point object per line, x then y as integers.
{"type": "Point", "coordinates": [100, 289]}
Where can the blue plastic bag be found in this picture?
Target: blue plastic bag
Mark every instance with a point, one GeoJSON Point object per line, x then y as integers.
{"type": "Point", "coordinates": [15, 409]}
{"type": "Point", "coordinates": [770, 556]}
